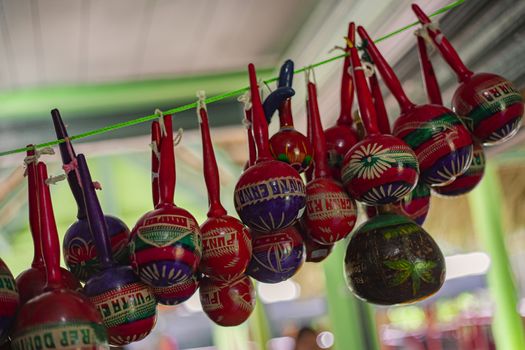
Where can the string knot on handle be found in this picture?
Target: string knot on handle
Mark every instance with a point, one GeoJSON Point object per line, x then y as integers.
{"type": "Point", "coordinates": [201, 104]}
{"type": "Point", "coordinates": [53, 180]}
{"type": "Point", "coordinates": [163, 131]}
{"type": "Point", "coordinates": [38, 153]}
{"type": "Point", "coordinates": [178, 138]}
{"type": "Point", "coordinates": [425, 28]}
{"type": "Point", "coordinates": [309, 76]}
{"type": "Point", "coordinates": [246, 100]}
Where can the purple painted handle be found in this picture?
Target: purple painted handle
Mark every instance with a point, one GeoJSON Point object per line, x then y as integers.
{"type": "Point", "coordinates": [61, 132]}
{"type": "Point", "coordinates": [96, 220]}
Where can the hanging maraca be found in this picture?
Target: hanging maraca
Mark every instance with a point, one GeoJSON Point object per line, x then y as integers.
{"type": "Point", "coordinates": [490, 105]}
{"type": "Point", "coordinates": [392, 260]}
{"type": "Point", "coordinates": [78, 247]}
{"type": "Point", "coordinates": [436, 134]}
{"type": "Point", "coordinates": [472, 176]}
{"type": "Point", "coordinates": [313, 251]}
{"type": "Point", "coordinates": [342, 136]}
{"type": "Point", "coordinates": [166, 242]}
{"type": "Point", "coordinates": [276, 256]}
{"type": "Point", "coordinates": [227, 303]}
{"type": "Point", "coordinates": [383, 123]}
{"type": "Point", "coordinates": [59, 318]}
{"type": "Point", "coordinates": [32, 281]}
{"type": "Point", "coordinates": [289, 145]}
{"type": "Point", "coordinates": [380, 169]}
{"type": "Point", "coordinates": [9, 301]}
{"type": "Point", "coordinates": [330, 212]}
{"type": "Point", "coordinates": [226, 242]}
{"type": "Point", "coordinates": [270, 195]}
{"type": "Point", "coordinates": [127, 306]}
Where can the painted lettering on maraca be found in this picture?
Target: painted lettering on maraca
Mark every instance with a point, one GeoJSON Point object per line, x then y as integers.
{"type": "Point", "coordinates": [61, 336]}
{"type": "Point", "coordinates": [9, 300]}
{"type": "Point", "coordinates": [268, 190]}
{"type": "Point", "coordinates": [333, 204]}
{"type": "Point", "coordinates": [211, 298]}
{"type": "Point", "coordinates": [220, 241]}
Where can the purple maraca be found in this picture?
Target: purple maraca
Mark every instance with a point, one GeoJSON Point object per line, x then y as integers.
{"type": "Point", "coordinates": [78, 248]}
{"type": "Point", "coordinates": [127, 306]}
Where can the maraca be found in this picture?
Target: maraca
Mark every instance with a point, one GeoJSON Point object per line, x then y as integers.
{"type": "Point", "coordinates": [9, 301]}
{"type": "Point", "coordinates": [427, 72]}
{"type": "Point", "coordinates": [330, 212]}
{"type": "Point", "coordinates": [78, 248]}
{"type": "Point", "coordinates": [270, 195]}
{"type": "Point", "coordinates": [392, 260]}
{"type": "Point", "coordinates": [59, 318]}
{"type": "Point", "coordinates": [32, 281]}
{"type": "Point", "coordinates": [127, 306]}
{"type": "Point", "coordinates": [226, 242]}
{"type": "Point", "coordinates": [289, 145]}
{"type": "Point", "coordinates": [277, 256]}
{"type": "Point", "coordinates": [227, 303]}
{"type": "Point", "coordinates": [166, 242]}
{"type": "Point", "coordinates": [380, 169]}
{"type": "Point", "coordinates": [342, 136]}
{"type": "Point", "coordinates": [490, 106]}
{"type": "Point", "coordinates": [383, 123]}
{"type": "Point", "coordinates": [313, 251]}
{"type": "Point", "coordinates": [438, 137]}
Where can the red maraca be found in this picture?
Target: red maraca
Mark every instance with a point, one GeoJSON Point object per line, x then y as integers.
{"type": "Point", "coordinates": [9, 301]}
{"type": "Point", "coordinates": [288, 144]}
{"type": "Point", "coordinates": [127, 306]}
{"type": "Point", "coordinates": [342, 136]}
{"type": "Point", "coordinates": [227, 303]}
{"type": "Point", "coordinates": [166, 242]}
{"type": "Point", "coordinates": [313, 251]}
{"type": "Point", "coordinates": [427, 71]}
{"type": "Point", "coordinates": [59, 318]}
{"type": "Point", "coordinates": [490, 106]}
{"type": "Point", "coordinates": [78, 247]}
{"type": "Point", "coordinates": [269, 195]}
{"type": "Point", "coordinates": [226, 242]}
{"type": "Point", "coordinates": [32, 281]}
{"type": "Point", "coordinates": [438, 137]}
{"type": "Point", "coordinates": [377, 96]}
{"type": "Point", "coordinates": [330, 212]}
{"type": "Point", "coordinates": [380, 169]}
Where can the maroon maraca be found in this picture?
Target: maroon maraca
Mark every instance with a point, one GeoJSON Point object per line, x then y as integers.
{"type": "Point", "coordinates": [380, 169]}
{"type": "Point", "coordinates": [32, 281]}
{"type": "Point", "coordinates": [436, 134]}
{"type": "Point", "coordinates": [127, 306]}
{"type": "Point", "coordinates": [383, 123]}
{"type": "Point", "coordinates": [269, 195]}
{"type": "Point", "coordinates": [9, 301]}
{"type": "Point", "coordinates": [166, 242]}
{"type": "Point", "coordinates": [427, 72]}
{"type": "Point", "coordinates": [155, 160]}
{"type": "Point", "coordinates": [490, 105]}
{"type": "Point", "coordinates": [342, 136]}
{"type": "Point", "coordinates": [330, 212]}
{"type": "Point", "coordinates": [78, 248]}
{"type": "Point", "coordinates": [226, 242]}
{"type": "Point", "coordinates": [227, 303]}
{"type": "Point", "coordinates": [313, 251]}
{"type": "Point", "coordinates": [59, 318]}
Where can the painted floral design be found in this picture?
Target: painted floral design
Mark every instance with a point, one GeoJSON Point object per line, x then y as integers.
{"type": "Point", "coordinates": [419, 270]}
{"type": "Point", "coordinates": [370, 161]}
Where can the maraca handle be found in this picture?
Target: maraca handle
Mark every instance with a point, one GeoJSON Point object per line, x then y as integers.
{"type": "Point", "coordinates": [167, 165]}
{"type": "Point", "coordinates": [61, 132]}
{"type": "Point", "coordinates": [286, 80]}
{"type": "Point", "coordinates": [444, 46]}
{"type": "Point", "coordinates": [347, 86]}
{"type": "Point", "coordinates": [379, 105]}
{"type": "Point", "coordinates": [321, 168]}
{"type": "Point", "coordinates": [285, 113]}
{"type": "Point", "coordinates": [429, 77]}
{"type": "Point", "coordinates": [259, 126]}
{"type": "Point", "coordinates": [275, 100]}
{"type": "Point", "coordinates": [309, 134]}
{"type": "Point", "coordinates": [96, 220]}
{"type": "Point", "coordinates": [34, 216]}
{"type": "Point", "coordinates": [211, 173]}
{"type": "Point", "coordinates": [389, 77]}
{"type": "Point", "coordinates": [155, 162]}
{"type": "Point", "coordinates": [48, 229]}
{"type": "Point", "coordinates": [286, 74]}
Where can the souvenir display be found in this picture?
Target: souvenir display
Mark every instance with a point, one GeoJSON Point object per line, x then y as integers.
{"type": "Point", "coordinates": [60, 318]}
{"type": "Point", "coordinates": [270, 195]}
{"type": "Point", "coordinates": [226, 242]}
{"type": "Point", "coordinates": [491, 107]}
{"type": "Point", "coordinates": [79, 250]}
{"type": "Point", "coordinates": [438, 137]}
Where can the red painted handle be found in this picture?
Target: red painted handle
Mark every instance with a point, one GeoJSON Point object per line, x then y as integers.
{"type": "Point", "coordinates": [364, 98]}
{"type": "Point", "coordinates": [34, 216]}
{"type": "Point", "coordinates": [285, 113]}
{"type": "Point", "coordinates": [211, 173]}
{"type": "Point", "coordinates": [347, 86]}
{"type": "Point", "coordinates": [379, 105]}
{"type": "Point", "coordinates": [389, 77]}
{"type": "Point", "coordinates": [321, 168]}
{"type": "Point", "coordinates": [155, 162]}
{"type": "Point", "coordinates": [309, 134]}
{"type": "Point", "coordinates": [259, 125]}
{"type": "Point", "coordinates": [429, 77]}
{"type": "Point", "coordinates": [252, 151]}
{"type": "Point", "coordinates": [48, 227]}
{"type": "Point", "coordinates": [167, 165]}
{"type": "Point", "coordinates": [444, 46]}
